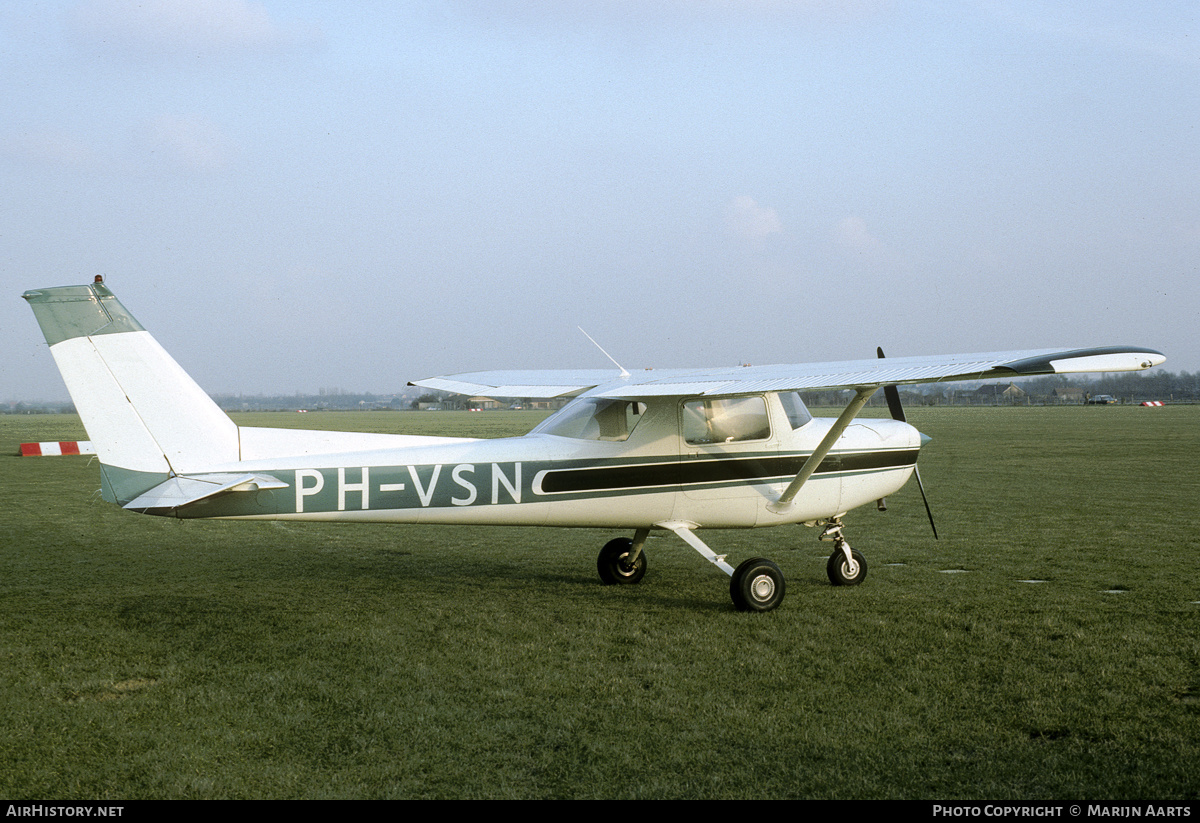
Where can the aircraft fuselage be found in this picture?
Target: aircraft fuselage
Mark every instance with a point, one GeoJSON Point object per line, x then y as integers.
{"type": "Point", "coordinates": [544, 479]}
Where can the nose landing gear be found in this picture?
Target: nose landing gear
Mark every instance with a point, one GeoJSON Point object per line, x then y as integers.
{"type": "Point", "coordinates": [846, 566]}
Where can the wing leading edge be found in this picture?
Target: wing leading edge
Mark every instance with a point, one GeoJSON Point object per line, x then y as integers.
{"type": "Point", "coordinates": [846, 374]}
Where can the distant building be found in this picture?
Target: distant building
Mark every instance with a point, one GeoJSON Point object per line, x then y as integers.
{"type": "Point", "coordinates": [996, 394]}
{"type": "Point", "coordinates": [1067, 394]}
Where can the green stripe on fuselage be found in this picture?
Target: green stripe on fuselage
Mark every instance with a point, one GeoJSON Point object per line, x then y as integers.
{"type": "Point", "coordinates": [716, 471]}
{"type": "Point", "coordinates": [457, 485]}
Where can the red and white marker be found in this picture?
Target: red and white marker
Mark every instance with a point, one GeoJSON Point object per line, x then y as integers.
{"type": "Point", "coordinates": [57, 447]}
{"type": "Point", "coordinates": [1152, 403]}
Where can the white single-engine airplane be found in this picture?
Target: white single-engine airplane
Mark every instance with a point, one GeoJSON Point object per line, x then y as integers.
{"type": "Point", "coordinates": [676, 449]}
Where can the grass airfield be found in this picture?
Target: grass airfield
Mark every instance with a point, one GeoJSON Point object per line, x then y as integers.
{"type": "Point", "coordinates": [147, 657]}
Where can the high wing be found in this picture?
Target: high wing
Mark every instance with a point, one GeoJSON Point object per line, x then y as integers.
{"type": "Point", "coordinates": [846, 374]}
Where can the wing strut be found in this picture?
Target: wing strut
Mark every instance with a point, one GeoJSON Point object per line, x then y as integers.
{"type": "Point", "coordinates": [784, 503]}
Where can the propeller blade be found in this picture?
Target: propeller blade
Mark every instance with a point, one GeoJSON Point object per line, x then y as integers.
{"type": "Point", "coordinates": [925, 500]}
{"type": "Point", "coordinates": [892, 394]}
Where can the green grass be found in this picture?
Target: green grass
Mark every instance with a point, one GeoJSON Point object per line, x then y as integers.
{"type": "Point", "coordinates": [145, 657]}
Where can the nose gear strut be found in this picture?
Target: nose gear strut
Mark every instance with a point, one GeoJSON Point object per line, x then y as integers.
{"type": "Point", "coordinates": [846, 566]}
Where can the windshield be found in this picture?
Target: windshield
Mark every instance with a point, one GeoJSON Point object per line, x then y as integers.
{"type": "Point", "coordinates": [594, 418]}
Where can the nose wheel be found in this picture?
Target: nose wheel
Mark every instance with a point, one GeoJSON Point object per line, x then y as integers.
{"type": "Point", "coordinates": [846, 566]}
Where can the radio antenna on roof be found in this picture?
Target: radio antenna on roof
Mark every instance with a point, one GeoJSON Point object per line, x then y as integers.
{"type": "Point", "coordinates": [606, 354]}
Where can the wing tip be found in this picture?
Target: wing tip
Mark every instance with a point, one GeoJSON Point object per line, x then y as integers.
{"type": "Point", "coordinates": [1089, 360]}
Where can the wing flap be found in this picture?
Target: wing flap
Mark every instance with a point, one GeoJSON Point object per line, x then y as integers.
{"type": "Point", "coordinates": [520, 383]}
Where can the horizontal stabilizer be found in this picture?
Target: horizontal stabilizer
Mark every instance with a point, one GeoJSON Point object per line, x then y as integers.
{"type": "Point", "coordinates": [181, 491]}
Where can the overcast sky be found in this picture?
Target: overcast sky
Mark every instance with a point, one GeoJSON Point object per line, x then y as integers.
{"type": "Point", "coordinates": [303, 195]}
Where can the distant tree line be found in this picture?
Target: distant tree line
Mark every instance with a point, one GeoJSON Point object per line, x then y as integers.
{"type": "Point", "coordinates": [324, 400]}
{"type": "Point", "coordinates": [1126, 387]}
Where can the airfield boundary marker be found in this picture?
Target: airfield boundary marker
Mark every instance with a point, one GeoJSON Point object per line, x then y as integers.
{"type": "Point", "coordinates": [55, 448]}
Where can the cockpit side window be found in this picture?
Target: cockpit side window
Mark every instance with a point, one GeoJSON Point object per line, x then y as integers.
{"type": "Point", "coordinates": [725, 420]}
{"type": "Point", "coordinates": [797, 413]}
{"type": "Point", "coordinates": [594, 418]}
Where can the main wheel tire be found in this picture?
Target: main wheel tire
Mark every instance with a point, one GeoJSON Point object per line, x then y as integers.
{"type": "Point", "coordinates": [839, 571]}
{"type": "Point", "coordinates": [757, 585]}
{"type": "Point", "coordinates": [614, 566]}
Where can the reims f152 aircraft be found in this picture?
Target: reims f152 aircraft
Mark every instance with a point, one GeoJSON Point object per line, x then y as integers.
{"type": "Point", "coordinates": [678, 450]}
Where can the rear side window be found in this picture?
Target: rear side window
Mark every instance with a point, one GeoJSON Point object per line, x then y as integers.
{"type": "Point", "coordinates": [725, 420]}
{"type": "Point", "coordinates": [595, 418]}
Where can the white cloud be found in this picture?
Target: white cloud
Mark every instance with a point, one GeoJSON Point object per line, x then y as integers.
{"type": "Point", "coordinates": [852, 233]}
{"type": "Point", "coordinates": [745, 218]}
{"type": "Point", "coordinates": [164, 27]}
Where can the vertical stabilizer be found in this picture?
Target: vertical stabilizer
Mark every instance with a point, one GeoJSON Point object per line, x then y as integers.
{"type": "Point", "coordinates": [147, 418]}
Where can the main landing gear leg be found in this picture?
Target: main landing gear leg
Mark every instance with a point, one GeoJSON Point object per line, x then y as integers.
{"type": "Point", "coordinates": [756, 585]}
{"type": "Point", "coordinates": [846, 566]}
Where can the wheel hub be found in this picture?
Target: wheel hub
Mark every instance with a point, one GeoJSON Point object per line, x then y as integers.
{"type": "Point", "coordinates": [762, 587]}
